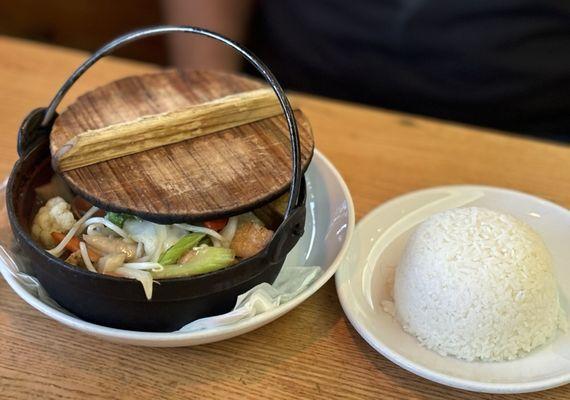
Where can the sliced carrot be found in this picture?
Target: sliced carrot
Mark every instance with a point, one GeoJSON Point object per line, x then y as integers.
{"type": "Point", "coordinates": [216, 224]}
{"type": "Point", "coordinates": [73, 245]}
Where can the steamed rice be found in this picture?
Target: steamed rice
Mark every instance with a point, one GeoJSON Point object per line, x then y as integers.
{"type": "Point", "coordinates": [477, 284]}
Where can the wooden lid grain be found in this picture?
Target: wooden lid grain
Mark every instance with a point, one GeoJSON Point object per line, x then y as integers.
{"type": "Point", "coordinates": [219, 174]}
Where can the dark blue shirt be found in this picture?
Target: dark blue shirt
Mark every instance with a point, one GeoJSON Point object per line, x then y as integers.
{"type": "Point", "coordinates": [502, 64]}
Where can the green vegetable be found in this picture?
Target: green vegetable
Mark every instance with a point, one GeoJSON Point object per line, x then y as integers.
{"type": "Point", "coordinates": [207, 241]}
{"type": "Point", "coordinates": [206, 260]}
{"type": "Point", "coordinates": [185, 243]}
{"type": "Point", "coordinates": [118, 218]}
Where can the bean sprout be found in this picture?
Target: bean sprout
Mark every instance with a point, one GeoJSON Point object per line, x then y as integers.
{"type": "Point", "coordinates": [108, 224]}
{"type": "Point", "coordinates": [201, 229]}
{"type": "Point", "coordinates": [153, 266]}
{"type": "Point", "coordinates": [140, 249]}
{"type": "Point", "coordinates": [76, 228]}
{"type": "Point", "coordinates": [143, 277]}
{"type": "Point", "coordinates": [142, 259]}
{"type": "Point", "coordinates": [229, 230]}
{"type": "Point", "coordinates": [85, 256]}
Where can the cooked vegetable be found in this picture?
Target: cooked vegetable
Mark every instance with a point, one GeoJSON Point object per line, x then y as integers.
{"type": "Point", "coordinates": [140, 250]}
{"type": "Point", "coordinates": [56, 215]}
{"type": "Point", "coordinates": [85, 257]}
{"type": "Point", "coordinates": [73, 245]}
{"type": "Point", "coordinates": [144, 277]}
{"type": "Point", "coordinates": [145, 266]}
{"type": "Point", "coordinates": [99, 230]}
{"type": "Point", "coordinates": [154, 237]}
{"type": "Point", "coordinates": [108, 224]}
{"type": "Point", "coordinates": [186, 257]}
{"type": "Point", "coordinates": [75, 258]}
{"type": "Point", "coordinates": [216, 224]}
{"type": "Point", "coordinates": [127, 246]}
{"type": "Point", "coordinates": [110, 263]}
{"type": "Point", "coordinates": [250, 239]}
{"type": "Point", "coordinates": [202, 229]}
{"type": "Point", "coordinates": [75, 229]}
{"type": "Point", "coordinates": [118, 218]}
{"type": "Point", "coordinates": [230, 230]}
{"type": "Point", "coordinates": [183, 245]}
{"type": "Point", "coordinates": [206, 259]}
{"type": "Point", "coordinates": [112, 245]}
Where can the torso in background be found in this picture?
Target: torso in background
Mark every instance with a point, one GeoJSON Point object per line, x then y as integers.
{"type": "Point", "coordinates": [499, 64]}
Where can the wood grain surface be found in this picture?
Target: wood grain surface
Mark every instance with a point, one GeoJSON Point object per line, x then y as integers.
{"type": "Point", "coordinates": [310, 353]}
{"type": "Point", "coordinates": [156, 130]}
{"type": "Point", "coordinates": [222, 173]}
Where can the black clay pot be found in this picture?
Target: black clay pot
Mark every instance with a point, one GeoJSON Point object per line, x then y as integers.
{"type": "Point", "coordinates": [120, 302]}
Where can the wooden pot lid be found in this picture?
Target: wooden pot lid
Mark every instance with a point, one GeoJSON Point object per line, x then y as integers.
{"type": "Point", "coordinates": [219, 174]}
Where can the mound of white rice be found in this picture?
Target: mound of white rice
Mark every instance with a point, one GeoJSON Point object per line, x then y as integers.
{"type": "Point", "coordinates": [478, 285]}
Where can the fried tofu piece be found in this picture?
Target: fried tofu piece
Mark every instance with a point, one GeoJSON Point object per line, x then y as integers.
{"type": "Point", "coordinates": [250, 238]}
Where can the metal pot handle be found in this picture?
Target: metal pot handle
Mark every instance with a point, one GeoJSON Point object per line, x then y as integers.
{"type": "Point", "coordinates": [48, 115]}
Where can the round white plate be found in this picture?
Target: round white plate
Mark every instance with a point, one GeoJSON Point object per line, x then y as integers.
{"type": "Point", "coordinates": [376, 248]}
{"type": "Point", "coordinates": [328, 228]}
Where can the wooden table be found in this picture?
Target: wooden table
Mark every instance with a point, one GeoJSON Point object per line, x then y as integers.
{"type": "Point", "coordinates": [312, 352]}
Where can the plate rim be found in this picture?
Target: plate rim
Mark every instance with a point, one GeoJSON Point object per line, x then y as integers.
{"type": "Point", "coordinates": [410, 365]}
{"type": "Point", "coordinates": [181, 339]}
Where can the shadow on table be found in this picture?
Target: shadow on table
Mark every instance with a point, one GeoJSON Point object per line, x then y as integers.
{"type": "Point", "coordinates": [257, 353]}
{"type": "Point", "coordinates": [421, 388]}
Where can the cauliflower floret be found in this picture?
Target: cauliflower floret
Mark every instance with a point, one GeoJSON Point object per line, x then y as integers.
{"type": "Point", "coordinates": [55, 216]}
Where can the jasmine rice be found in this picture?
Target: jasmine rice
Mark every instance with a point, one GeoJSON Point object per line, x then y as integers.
{"type": "Point", "coordinates": [479, 285]}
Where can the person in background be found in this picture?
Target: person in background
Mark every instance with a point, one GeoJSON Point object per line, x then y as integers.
{"type": "Point", "coordinates": [504, 65]}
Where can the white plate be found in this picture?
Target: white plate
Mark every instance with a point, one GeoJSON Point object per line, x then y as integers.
{"type": "Point", "coordinates": [378, 244]}
{"type": "Point", "coordinates": [328, 228]}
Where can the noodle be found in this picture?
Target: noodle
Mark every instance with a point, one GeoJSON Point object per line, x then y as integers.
{"type": "Point", "coordinates": [85, 256]}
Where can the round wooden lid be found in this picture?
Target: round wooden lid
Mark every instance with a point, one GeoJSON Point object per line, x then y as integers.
{"type": "Point", "coordinates": [219, 174]}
